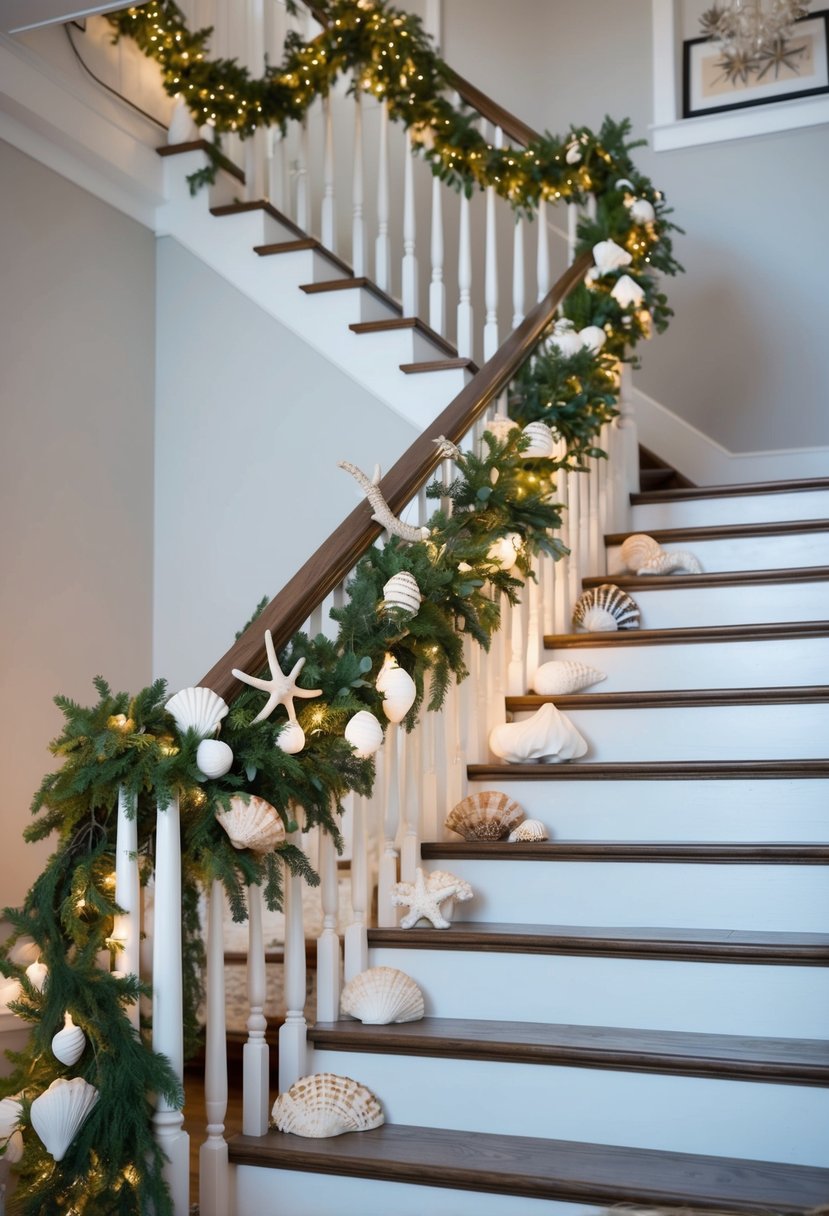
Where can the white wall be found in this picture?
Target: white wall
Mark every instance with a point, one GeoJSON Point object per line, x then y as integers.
{"type": "Point", "coordinates": [77, 375]}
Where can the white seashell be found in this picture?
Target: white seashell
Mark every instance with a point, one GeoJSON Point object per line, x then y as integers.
{"type": "Point", "coordinates": [10, 1138]}
{"type": "Point", "coordinates": [592, 338]}
{"type": "Point", "coordinates": [542, 441]}
{"type": "Point", "coordinates": [402, 591]}
{"type": "Point", "coordinates": [500, 426]}
{"type": "Point", "coordinates": [382, 995]}
{"type": "Point", "coordinates": [573, 153]}
{"type": "Point", "coordinates": [504, 551]}
{"type": "Point", "coordinates": [214, 758]}
{"type": "Point", "coordinates": [398, 690]}
{"type": "Point", "coordinates": [58, 1114]}
{"type": "Point", "coordinates": [606, 608]}
{"type": "Point", "coordinates": [565, 676]}
{"type": "Point", "coordinates": [291, 739]}
{"type": "Point", "coordinates": [530, 829]}
{"type": "Point", "coordinates": [637, 550]}
{"type": "Point", "coordinates": [609, 256]}
{"type": "Point", "coordinates": [252, 823]}
{"type": "Point", "coordinates": [642, 212]}
{"type": "Point", "coordinates": [37, 973]}
{"type": "Point", "coordinates": [325, 1104]}
{"type": "Point", "coordinates": [9, 991]}
{"type": "Point", "coordinates": [24, 951]}
{"type": "Point", "coordinates": [198, 709]}
{"type": "Point", "coordinates": [488, 815]}
{"type": "Point", "coordinates": [69, 1043]}
{"type": "Point", "coordinates": [565, 339]}
{"type": "Point", "coordinates": [548, 736]}
{"type": "Point", "coordinates": [669, 563]}
{"type": "Point", "coordinates": [623, 183]}
{"type": "Point", "coordinates": [627, 292]}
{"type": "Point", "coordinates": [364, 733]}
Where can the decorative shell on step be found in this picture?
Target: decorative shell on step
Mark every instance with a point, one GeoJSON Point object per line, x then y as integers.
{"type": "Point", "coordinates": [548, 737]}
{"type": "Point", "coordinates": [562, 676]}
{"type": "Point", "coordinates": [530, 830]}
{"type": "Point", "coordinates": [198, 709]}
{"type": "Point", "coordinates": [11, 1139]}
{"type": "Point", "coordinates": [402, 591]}
{"type": "Point", "coordinates": [252, 823]}
{"type": "Point", "coordinates": [59, 1113]}
{"type": "Point", "coordinates": [291, 739]}
{"type": "Point", "coordinates": [382, 995]}
{"type": "Point", "coordinates": [397, 688]}
{"type": "Point", "coordinates": [606, 608]}
{"type": "Point", "coordinates": [542, 441]}
{"type": "Point", "coordinates": [671, 563]}
{"type": "Point", "coordinates": [364, 733]}
{"type": "Point", "coordinates": [488, 815]}
{"type": "Point", "coordinates": [214, 758]}
{"type": "Point", "coordinates": [68, 1044]}
{"type": "Point", "coordinates": [637, 550]}
{"type": "Point", "coordinates": [325, 1104]}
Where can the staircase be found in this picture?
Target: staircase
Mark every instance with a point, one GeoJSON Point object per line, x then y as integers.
{"type": "Point", "coordinates": [635, 1010]}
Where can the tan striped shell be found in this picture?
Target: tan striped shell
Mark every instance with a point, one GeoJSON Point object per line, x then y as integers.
{"type": "Point", "coordinates": [252, 823]}
{"type": "Point", "coordinates": [325, 1104]}
{"type": "Point", "coordinates": [488, 815]}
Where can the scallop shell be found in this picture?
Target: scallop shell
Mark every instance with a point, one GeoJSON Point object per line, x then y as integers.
{"type": "Point", "coordinates": [398, 690]}
{"type": "Point", "coordinates": [214, 758]}
{"type": "Point", "coordinates": [325, 1104]}
{"type": "Point", "coordinates": [669, 563]}
{"type": "Point", "coordinates": [58, 1114]}
{"type": "Point", "coordinates": [605, 608]}
{"type": "Point", "coordinates": [637, 550]}
{"type": "Point", "coordinates": [364, 733]}
{"type": "Point", "coordinates": [592, 338]}
{"type": "Point", "coordinates": [252, 823]}
{"type": "Point", "coordinates": [504, 551]}
{"type": "Point", "coordinates": [382, 995]}
{"type": "Point", "coordinates": [198, 709]}
{"type": "Point", "coordinates": [488, 815]}
{"type": "Point", "coordinates": [530, 829]}
{"type": "Point", "coordinates": [542, 441]}
{"type": "Point", "coordinates": [609, 256]}
{"type": "Point", "coordinates": [10, 1137]}
{"type": "Point", "coordinates": [69, 1043]}
{"type": "Point", "coordinates": [548, 736]}
{"type": "Point", "coordinates": [642, 211]}
{"type": "Point", "coordinates": [501, 427]}
{"type": "Point", "coordinates": [291, 739]}
{"type": "Point", "coordinates": [565, 676]}
{"type": "Point", "coordinates": [402, 591]}
{"type": "Point", "coordinates": [565, 339]}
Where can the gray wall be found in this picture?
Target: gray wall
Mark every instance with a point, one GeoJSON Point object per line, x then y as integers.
{"type": "Point", "coordinates": [77, 376]}
{"type": "Point", "coordinates": [744, 359]}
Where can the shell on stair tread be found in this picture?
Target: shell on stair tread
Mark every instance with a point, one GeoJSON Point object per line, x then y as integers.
{"type": "Point", "coordinates": [325, 1104]}
{"type": "Point", "coordinates": [638, 549]}
{"type": "Point", "coordinates": [529, 830]}
{"type": "Point", "coordinates": [606, 608]}
{"type": "Point", "coordinates": [561, 676]}
{"type": "Point", "coordinates": [548, 737]}
{"type": "Point", "coordinates": [382, 995]}
{"type": "Point", "coordinates": [487, 815]}
{"type": "Point", "coordinates": [671, 563]}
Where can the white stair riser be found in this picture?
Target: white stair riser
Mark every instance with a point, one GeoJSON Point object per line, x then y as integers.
{"type": "Point", "coordinates": [349, 306]}
{"type": "Point", "coordinates": [268, 1192]}
{"type": "Point", "coordinates": [750, 664]}
{"type": "Point", "coordinates": [599, 1106]}
{"type": "Point", "coordinates": [653, 994]}
{"type": "Point", "coordinates": [247, 229]}
{"type": "Point", "coordinates": [726, 810]}
{"type": "Point", "coordinates": [687, 606]}
{"type": "Point", "coordinates": [722, 732]}
{"type": "Point", "coordinates": [731, 509]}
{"type": "Point", "coordinates": [746, 553]}
{"type": "Point", "coordinates": [629, 893]}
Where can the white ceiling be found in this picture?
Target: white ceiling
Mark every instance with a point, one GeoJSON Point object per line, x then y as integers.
{"type": "Point", "coordinates": [19, 15]}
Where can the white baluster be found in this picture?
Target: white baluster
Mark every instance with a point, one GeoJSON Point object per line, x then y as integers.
{"type": "Point", "coordinates": [437, 288]}
{"type": "Point", "coordinates": [465, 315]}
{"type": "Point", "coordinates": [328, 944]}
{"type": "Point", "coordinates": [572, 234]}
{"type": "Point", "coordinates": [358, 223]}
{"type": "Point", "coordinates": [255, 1053]}
{"type": "Point", "coordinates": [145, 1004]}
{"type": "Point", "coordinates": [410, 843]}
{"type": "Point", "coordinates": [456, 756]}
{"type": "Point", "coordinates": [584, 525]}
{"type": "Point", "coordinates": [497, 708]}
{"type": "Point", "coordinates": [409, 268]}
{"type": "Point", "coordinates": [127, 927]}
{"type": "Point", "coordinates": [382, 244]}
{"type": "Point", "coordinates": [573, 541]}
{"type": "Point", "coordinates": [356, 941]}
{"type": "Point", "coordinates": [214, 1189]}
{"type": "Point", "coordinates": [518, 287]}
{"type": "Point", "coordinates": [430, 816]}
{"type": "Point", "coordinates": [328, 224]}
{"type": "Point", "coordinates": [293, 1051]}
{"type": "Point", "coordinates": [491, 269]}
{"type": "Point", "coordinates": [303, 195]}
{"type": "Point", "coordinates": [627, 424]}
{"type": "Point", "coordinates": [387, 915]}
{"type": "Point", "coordinates": [256, 146]}
{"type": "Point", "coordinates": [168, 1035]}
{"type": "Point", "coordinates": [561, 614]}
{"type": "Point", "coordinates": [542, 264]}
{"type": "Point", "coordinates": [515, 671]}
{"type": "Point", "coordinates": [534, 593]}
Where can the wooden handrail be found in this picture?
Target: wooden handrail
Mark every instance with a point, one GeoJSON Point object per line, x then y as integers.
{"type": "Point", "coordinates": [338, 555]}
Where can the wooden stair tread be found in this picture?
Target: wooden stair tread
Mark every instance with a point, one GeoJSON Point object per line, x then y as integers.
{"type": "Point", "coordinates": [350, 284]}
{"type": "Point", "coordinates": [259, 205]}
{"type": "Point", "coordinates": [787, 630]}
{"type": "Point", "coordinates": [797, 1061]}
{"type": "Point", "coordinates": [636, 583]}
{"type": "Point", "coordinates": [438, 365]}
{"type": "Point", "coordinates": [652, 770]}
{"type": "Point", "coordinates": [740, 853]}
{"type": "Point", "coordinates": [660, 698]}
{"type": "Point", "coordinates": [544, 1169]}
{"type": "Point", "coordinates": [304, 242]}
{"type": "Point", "coordinates": [376, 327]}
{"type": "Point", "coordinates": [710, 945]}
{"type": "Point", "coordinates": [723, 531]}
{"type": "Point", "coordinates": [732, 491]}
{"type": "Point", "coordinates": [201, 145]}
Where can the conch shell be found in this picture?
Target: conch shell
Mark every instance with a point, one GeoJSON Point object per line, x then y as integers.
{"type": "Point", "coordinates": [561, 676]}
{"type": "Point", "coordinates": [548, 737]}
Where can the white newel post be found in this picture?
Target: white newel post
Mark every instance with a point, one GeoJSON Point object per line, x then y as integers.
{"type": "Point", "coordinates": [358, 223]}
{"type": "Point", "coordinates": [127, 928]}
{"type": "Point", "coordinates": [292, 1042]}
{"type": "Point", "coordinates": [382, 243]}
{"type": "Point", "coordinates": [255, 1053]}
{"type": "Point", "coordinates": [168, 1034]}
{"type": "Point", "coordinates": [465, 321]}
{"type": "Point", "coordinates": [328, 226]}
{"type": "Point", "coordinates": [214, 1188]}
{"type": "Point", "coordinates": [356, 934]}
{"type": "Point", "coordinates": [328, 943]}
{"type": "Point", "coordinates": [409, 267]}
{"type": "Point", "coordinates": [437, 287]}
{"type": "Point", "coordinates": [387, 915]}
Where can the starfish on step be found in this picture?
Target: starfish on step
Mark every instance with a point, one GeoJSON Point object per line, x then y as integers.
{"type": "Point", "coordinates": [424, 896]}
{"type": "Point", "coordinates": [281, 688]}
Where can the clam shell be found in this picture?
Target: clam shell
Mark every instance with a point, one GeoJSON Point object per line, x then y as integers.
{"type": "Point", "coordinates": [382, 995]}
{"type": "Point", "coordinates": [565, 339]}
{"type": "Point", "coordinates": [642, 211]}
{"type": "Point", "coordinates": [605, 608]}
{"type": "Point", "coordinates": [291, 739]}
{"type": "Point", "coordinates": [69, 1043]}
{"type": "Point", "coordinates": [398, 690]}
{"type": "Point", "coordinates": [198, 709]}
{"type": "Point", "coordinates": [669, 563]}
{"type": "Point", "coordinates": [325, 1104]}
{"type": "Point", "coordinates": [488, 815]}
{"type": "Point", "coordinates": [638, 549]}
{"type": "Point", "coordinates": [608, 256]}
{"type": "Point", "coordinates": [504, 551]}
{"type": "Point", "coordinates": [58, 1114]}
{"type": "Point", "coordinates": [542, 441]}
{"type": "Point", "coordinates": [252, 823]}
{"type": "Point", "coordinates": [214, 758]}
{"type": "Point", "coordinates": [402, 591]}
{"type": "Point", "coordinates": [592, 338]}
{"type": "Point", "coordinates": [565, 676]}
{"type": "Point", "coordinates": [10, 1137]}
{"type": "Point", "coordinates": [548, 736]}
{"type": "Point", "coordinates": [364, 733]}
{"type": "Point", "coordinates": [530, 829]}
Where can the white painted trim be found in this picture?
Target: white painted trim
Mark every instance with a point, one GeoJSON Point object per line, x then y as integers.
{"type": "Point", "coordinates": [706, 462]}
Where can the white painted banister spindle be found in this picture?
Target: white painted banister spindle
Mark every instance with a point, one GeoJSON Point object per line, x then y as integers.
{"type": "Point", "coordinates": [382, 243]}
{"type": "Point", "coordinates": [627, 425]}
{"type": "Point", "coordinates": [409, 267]}
{"type": "Point", "coordinates": [356, 934]}
{"type": "Point", "coordinates": [358, 223]}
{"type": "Point", "coordinates": [328, 943]}
{"type": "Point", "coordinates": [437, 287]}
{"type": "Point", "coordinates": [429, 785]}
{"type": "Point", "coordinates": [455, 753]}
{"type": "Point", "coordinates": [542, 261]}
{"type": "Point", "coordinates": [255, 1053]}
{"type": "Point", "coordinates": [518, 285]}
{"type": "Point", "coordinates": [168, 1033]}
{"type": "Point", "coordinates": [465, 314]}
{"type": "Point", "coordinates": [534, 593]}
{"type": "Point", "coordinates": [410, 843]}
{"type": "Point", "coordinates": [514, 622]}
{"type": "Point", "coordinates": [491, 269]}
{"type": "Point", "coordinates": [572, 228]}
{"type": "Point", "coordinates": [328, 226]}
{"type": "Point", "coordinates": [387, 915]}
{"type": "Point", "coordinates": [127, 928]}
{"type": "Point", "coordinates": [293, 1051]}
{"type": "Point", "coordinates": [303, 194]}
{"type": "Point", "coordinates": [574, 505]}
{"type": "Point", "coordinates": [256, 158]}
{"type": "Point", "coordinates": [214, 1181]}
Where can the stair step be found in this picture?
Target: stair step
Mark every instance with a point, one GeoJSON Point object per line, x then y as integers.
{"type": "Point", "coordinates": [762, 488]}
{"type": "Point", "coordinates": [528, 1166]}
{"type": "Point", "coordinates": [350, 284]}
{"type": "Point", "coordinates": [739, 504]}
{"type": "Point", "coordinates": [708, 852]}
{"type": "Point", "coordinates": [652, 770]}
{"type": "Point", "coordinates": [304, 243]}
{"type": "Point", "coordinates": [682, 635]}
{"type": "Point", "coordinates": [733, 547]}
{"type": "Point", "coordinates": [201, 145]}
{"type": "Point", "coordinates": [414, 323]}
{"type": "Point", "coordinates": [683, 536]}
{"type": "Point", "coordinates": [439, 365]}
{"type": "Point", "coordinates": [259, 205]}
{"type": "Point", "coordinates": [636, 583]}
{"type": "Point", "coordinates": [674, 698]}
{"type": "Point", "coordinates": [656, 479]}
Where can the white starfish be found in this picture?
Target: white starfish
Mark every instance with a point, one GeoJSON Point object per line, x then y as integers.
{"type": "Point", "coordinates": [281, 688]}
{"type": "Point", "coordinates": [424, 896]}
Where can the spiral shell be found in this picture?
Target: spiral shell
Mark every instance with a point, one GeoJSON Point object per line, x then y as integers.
{"type": "Point", "coordinates": [198, 709]}
{"type": "Point", "coordinates": [10, 1137]}
{"type": "Point", "coordinates": [398, 690]}
{"type": "Point", "coordinates": [402, 591]}
{"type": "Point", "coordinates": [529, 830]}
{"type": "Point", "coordinates": [548, 736]}
{"type": "Point", "coordinates": [252, 823]}
{"type": "Point", "coordinates": [606, 608]}
{"type": "Point", "coordinates": [69, 1043]}
{"type": "Point", "coordinates": [58, 1114]}
{"type": "Point", "coordinates": [561, 676]}
{"type": "Point", "coordinates": [325, 1104]}
{"type": "Point", "coordinates": [364, 733]}
{"type": "Point", "coordinates": [542, 441]}
{"type": "Point", "coordinates": [488, 815]}
{"type": "Point", "coordinates": [637, 550]}
{"type": "Point", "coordinates": [670, 563]}
{"type": "Point", "coordinates": [214, 758]}
{"type": "Point", "coordinates": [291, 739]}
{"type": "Point", "coordinates": [382, 995]}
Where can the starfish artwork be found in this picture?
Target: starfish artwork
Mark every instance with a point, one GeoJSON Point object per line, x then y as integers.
{"type": "Point", "coordinates": [424, 896]}
{"type": "Point", "coordinates": [281, 689]}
